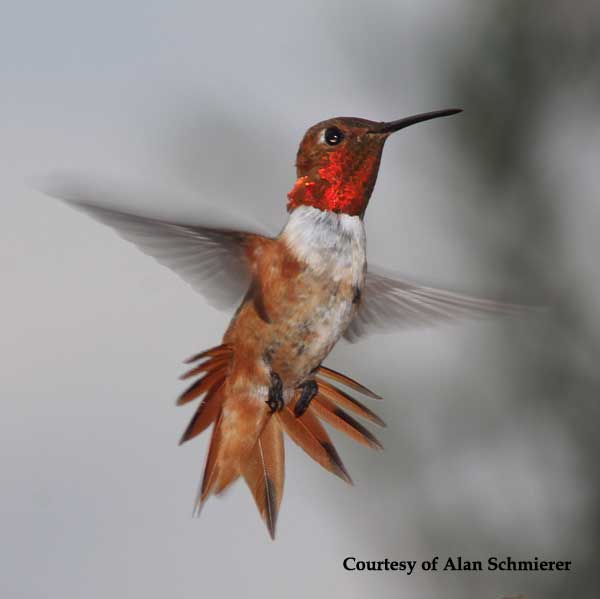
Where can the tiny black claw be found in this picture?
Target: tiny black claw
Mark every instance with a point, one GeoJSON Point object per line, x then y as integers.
{"type": "Point", "coordinates": [309, 390]}
{"type": "Point", "coordinates": [275, 401]}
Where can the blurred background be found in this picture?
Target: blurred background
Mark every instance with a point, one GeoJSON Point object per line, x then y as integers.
{"type": "Point", "coordinates": [492, 440]}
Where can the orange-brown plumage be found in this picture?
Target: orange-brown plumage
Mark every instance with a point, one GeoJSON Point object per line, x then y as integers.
{"type": "Point", "coordinates": [305, 288]}
{"type": "Point", "coordinates": [218, 363]}
{"type": "Point", "coordinates": [302, 291]}
{"type": "Point", "coordinates": [327, 410]}
{"type": "Point", "coordinates": [261, 461]}
{"type": "Point", "coordinates": [342, 399]}
{"type": "Point", "coordinates": [290, 295]}
{"type": "Point", "coordinates": [206, 413]}
{"type": "Point", "coordinates": [308, 433]}
{"type": "Point", "coordinates": [346, 380]}
{"type": "Point", "coordinates": [277, 328]}
{"type": "Point", "coordinates": [197, 388]}
{"type": "Point", "coordinates": [264, 472]}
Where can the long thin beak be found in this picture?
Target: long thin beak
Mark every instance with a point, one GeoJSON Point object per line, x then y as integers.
{"type": "Point", "coordinates": [412, 120]}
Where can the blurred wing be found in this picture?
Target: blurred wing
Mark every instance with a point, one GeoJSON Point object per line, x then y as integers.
{"type": "Point", "coordinates": [212, 260]}
{"type": "Point", "coordinates": [389, 304]}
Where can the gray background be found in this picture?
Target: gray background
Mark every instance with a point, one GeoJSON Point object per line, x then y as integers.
{"type": "Point", "coordinates": [492, 442]}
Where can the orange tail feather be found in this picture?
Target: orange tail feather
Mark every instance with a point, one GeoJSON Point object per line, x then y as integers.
{"type": "Point", "coordinates": [309, 434]}
{"type": "Point", "coordinates": [339, 419]}
{"type": "Point", "coordinates": [346, 380]}
{"type": "Point", "coordinates": [218, 350]}
{"type": "Point", "coordinates": [206, 414]}
{"type": "Point", "coordinates": [264, 472]}
{"type": "Point", "coordinates": [211, 364]}
{"type": "Point", "coordinates": [202, 385]}
{"type": "Point", "coordinates": [344, 400]}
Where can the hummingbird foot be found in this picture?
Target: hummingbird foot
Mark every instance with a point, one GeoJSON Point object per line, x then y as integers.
{"type": "Point", "coordinates": [275, 401]}
{"type": "Point", "coordinates": [309, 390]}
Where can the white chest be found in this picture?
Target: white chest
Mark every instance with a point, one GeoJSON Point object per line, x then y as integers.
{"type": "Point", "coordinates": [331, 244]}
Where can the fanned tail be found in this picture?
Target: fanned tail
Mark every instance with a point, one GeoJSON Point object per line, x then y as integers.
{"type": "Point", "coordinates": [247, 440]}
{"type": "Point", "coordinates": [308, 432]}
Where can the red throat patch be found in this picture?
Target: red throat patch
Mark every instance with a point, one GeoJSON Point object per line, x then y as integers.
{"type": "Point", "coordinates": [340, 185]}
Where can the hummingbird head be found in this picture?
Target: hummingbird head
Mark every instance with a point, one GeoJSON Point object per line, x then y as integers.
{"type": "Point", "coordinates": [338, 161]}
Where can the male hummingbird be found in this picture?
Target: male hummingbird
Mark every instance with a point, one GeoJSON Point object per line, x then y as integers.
{"type": "Point", "coordinates": [302, 290]}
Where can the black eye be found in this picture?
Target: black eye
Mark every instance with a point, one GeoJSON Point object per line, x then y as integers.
{"type": "Point", "coordinates": [333, 136]}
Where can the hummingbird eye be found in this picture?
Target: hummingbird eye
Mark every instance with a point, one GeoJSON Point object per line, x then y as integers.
{"type": "Point", "coordinates": [333, 136]}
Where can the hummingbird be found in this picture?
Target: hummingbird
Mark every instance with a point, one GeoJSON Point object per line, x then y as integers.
{"type": "Point", "coordinates": [301, 292]}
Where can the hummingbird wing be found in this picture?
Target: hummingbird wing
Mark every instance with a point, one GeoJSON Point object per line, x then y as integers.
{"type": "Point", "coordinates": [389, 303]}
{"type": "Point", "coordinates": [213, 260]}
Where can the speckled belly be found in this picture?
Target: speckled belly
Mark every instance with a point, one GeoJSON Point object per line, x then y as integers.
{"type": "Point", "coordinates": [307, 329]}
